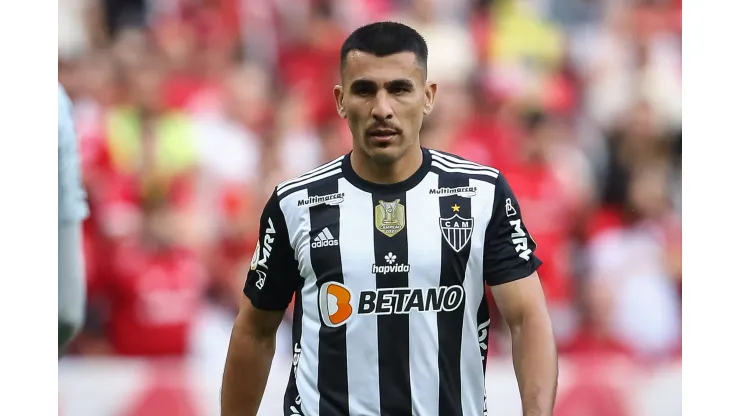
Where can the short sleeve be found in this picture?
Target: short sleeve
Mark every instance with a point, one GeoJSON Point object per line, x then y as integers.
{"type": "Point", "coordinates": [273, 274]}
{"type": "Point", "coordinates": [72, 199]}
{"type": "Point", "coordinates": [509, 250]}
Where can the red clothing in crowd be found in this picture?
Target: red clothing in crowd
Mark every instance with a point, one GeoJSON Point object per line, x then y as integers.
{"type": "Point", "coordinates": [310, 70]}
{"type": "Point", "coordinates": [543, 202]}
{"type": "Point", "coordinates": [586, 342]}
{"type": "Point", "coordinates": [154, 297]}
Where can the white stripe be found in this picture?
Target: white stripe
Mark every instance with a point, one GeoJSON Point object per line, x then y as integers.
{"type": "Point", "coordinates": [328, 234]}
{"type": "Point", "coordinates": [462, 165]}
{"type": "Point", "coordinates": [299, 225]}
{"type": "Point", "coordinates": [358, 254]}
{"type": "Point", "coordinates": [313, 172]}
{"type": "Point", "coordinates": [308, 180]}
{"type": "Point", "coordinates": [471, 369]}
{"type": "Point", "coordinates": [461, 170]}
{"type": "Point", "coordinates": [455, 159]}
{"type": "Point", "coordinates": [425, 252]}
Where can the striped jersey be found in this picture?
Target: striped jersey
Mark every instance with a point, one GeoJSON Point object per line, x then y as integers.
{"type": "Point", "coordinates": [390, 316]}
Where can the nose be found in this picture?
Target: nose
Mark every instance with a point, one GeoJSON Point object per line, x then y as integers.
{"type": "Point", "coordinates": [382, 109]}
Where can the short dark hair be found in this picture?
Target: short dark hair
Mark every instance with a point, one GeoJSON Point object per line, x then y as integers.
{"type": "Point", "coordinates": [383, 39]}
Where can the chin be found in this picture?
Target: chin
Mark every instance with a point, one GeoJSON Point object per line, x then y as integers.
{"type": "Point", "coordinates": [385, 155]}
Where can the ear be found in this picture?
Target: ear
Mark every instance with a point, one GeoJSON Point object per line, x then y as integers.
{"type": "Point", "coordinates": [338, 99]}
{"type": "Point", "coordinates": [430, 91]}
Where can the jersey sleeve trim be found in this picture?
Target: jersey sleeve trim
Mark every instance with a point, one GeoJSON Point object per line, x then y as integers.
{"type": "Point", "coordinates": [516, 274]}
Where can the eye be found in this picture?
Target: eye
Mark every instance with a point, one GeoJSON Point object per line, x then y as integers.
{"type": "Point", "coordinates": [363, 89]}
{"type": "Point", "coordinates": [399, 90]}
{"type": "Point", "coordinates": [363, 92]}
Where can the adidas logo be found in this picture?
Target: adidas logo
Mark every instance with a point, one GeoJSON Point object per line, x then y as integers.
{"type": "Point", "coordinates": [324, 239]}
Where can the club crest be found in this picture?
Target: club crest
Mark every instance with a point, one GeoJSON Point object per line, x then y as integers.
{"type": "Point", "coordinates": [456, 231]}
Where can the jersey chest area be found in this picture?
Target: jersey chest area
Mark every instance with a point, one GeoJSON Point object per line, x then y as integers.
{"type": "Point", "coordinates": [416, 239]}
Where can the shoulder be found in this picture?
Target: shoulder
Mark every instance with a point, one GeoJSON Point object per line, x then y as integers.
{"type": "Point", "coordinates": [444, 163]}
{"type": "Point", "coordinates": [328, 172]}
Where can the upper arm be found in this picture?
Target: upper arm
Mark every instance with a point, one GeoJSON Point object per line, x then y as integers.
{"type": "Point", "coordinates": [72, 199]}
{"type": "Point", "coordinates": [273, 275]}
{"type": "Point", "coordinates": [509, 250]}
{"type": "Point", "coordinates": [518, 298]}
{"type": "Point", "coordinates": [258, 322]}
{"type": "Point", "coordinates": [509, 261]}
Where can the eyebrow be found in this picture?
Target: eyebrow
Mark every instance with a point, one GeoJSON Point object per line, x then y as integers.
{"type": "Point", "coordinates": [396, 83]}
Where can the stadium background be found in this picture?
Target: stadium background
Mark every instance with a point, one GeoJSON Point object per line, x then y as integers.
{"type": "Point", "coordinates": [190, 111]}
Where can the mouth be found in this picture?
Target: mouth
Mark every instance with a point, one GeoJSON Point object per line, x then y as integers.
{"type": "Point", "coordinates": [382, 135]}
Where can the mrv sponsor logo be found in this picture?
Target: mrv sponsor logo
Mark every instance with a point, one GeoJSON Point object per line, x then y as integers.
{"type": "Point", "coordinates": [519, 238]}
{"type": "Point", "coordinates": [391, 266]}
{"type": "Point", "coordinates": [331, 199]}
{"type": "Point", "coordinates": [260, 259]}
{"type": "Point", "coordinates": [338, 304]}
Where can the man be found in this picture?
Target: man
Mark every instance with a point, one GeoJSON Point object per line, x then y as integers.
{"type": "Point", "coordinates": [387, 250]}
{"type": "Point", "coordinates": [72, 209]}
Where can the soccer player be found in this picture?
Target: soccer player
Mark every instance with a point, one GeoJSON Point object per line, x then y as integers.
{"type": "Point", "coordinates": [72, 207]}
{"type": "Point", "coordinates": [388, 251]}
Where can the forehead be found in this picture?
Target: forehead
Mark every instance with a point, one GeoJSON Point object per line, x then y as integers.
{"type": "Point", "coordinates": [381, 69]}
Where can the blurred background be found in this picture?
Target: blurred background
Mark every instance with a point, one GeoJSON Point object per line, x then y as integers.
{"type": "Point", "coordinates": [189, 112]}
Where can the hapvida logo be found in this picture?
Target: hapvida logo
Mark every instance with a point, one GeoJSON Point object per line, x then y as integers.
{"type": "Point", "coordinates": [396, 268]}
{"type": "Point", "coordinates": [391, 266]}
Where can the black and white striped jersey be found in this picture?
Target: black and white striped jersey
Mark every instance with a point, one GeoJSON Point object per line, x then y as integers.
{"type": "Point", "coordinates": [389, 280]}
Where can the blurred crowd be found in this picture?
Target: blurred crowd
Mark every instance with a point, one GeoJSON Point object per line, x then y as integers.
{"type": "Point", "coordinates": [189, 112]}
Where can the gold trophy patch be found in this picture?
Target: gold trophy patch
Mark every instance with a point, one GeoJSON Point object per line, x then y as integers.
{"type": "Point", "coordinates": [390, 217]}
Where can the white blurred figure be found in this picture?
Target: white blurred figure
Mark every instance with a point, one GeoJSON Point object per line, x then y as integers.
{"type": "Point", "coordinates": [298, 144]}
{"type": "Point", "coordinates": [620, 68]}
{"type": "Point", "coordinates": [452, 54]}
{"type": "Point", "coordinates": [74, 28]}
{"type": "Point", "coordinates": [228, 141]}
{"type": "Point", "coordinates": [72, 210]}
{"type": "Point", "coordinates": [634, 262]}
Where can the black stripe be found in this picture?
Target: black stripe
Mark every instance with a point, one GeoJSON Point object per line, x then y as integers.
{"type": "Point", "coordinates": [326, 261]}
{"type": "Point", "coordinates": [484, 316]}
{"type": "Point", "coordinates": [453, 264]}
{"type": "Point", "coordinates": [393, 329]}
{"type": "Point", "coordinates": [484, 331]}
{"type": "Point", "coordinates": [291, 401]}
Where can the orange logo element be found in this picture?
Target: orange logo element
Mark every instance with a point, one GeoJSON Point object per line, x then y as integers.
{"type": "Point", "coordinates": [334, 304]}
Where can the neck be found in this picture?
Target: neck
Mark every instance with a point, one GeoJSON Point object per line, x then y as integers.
{"type": "Point", "coordinates": [390, 173]}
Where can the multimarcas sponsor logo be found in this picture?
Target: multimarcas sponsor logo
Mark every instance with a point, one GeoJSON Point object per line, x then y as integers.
{"type": "Point", "coordinates": [463, 191]}
{"type": "Point", "coordinates": [332, 199]}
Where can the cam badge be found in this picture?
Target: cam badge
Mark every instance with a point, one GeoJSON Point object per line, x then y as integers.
{"type": "Point", "coordinates": [390, 217]}
{"type": "Point", "coordinates": [456, 231]}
